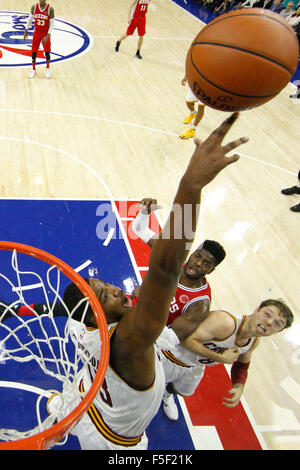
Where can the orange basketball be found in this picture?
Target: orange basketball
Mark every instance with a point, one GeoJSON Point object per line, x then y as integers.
{"type": "Point", "coordinates": [242, 59]}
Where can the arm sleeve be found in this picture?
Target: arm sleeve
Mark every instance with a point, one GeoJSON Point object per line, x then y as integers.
{"type": "Point", "coordinates": [29, 21]}
{"type": "Point", "coordinates": [140, 227]}
{"type": "Point", "coordinates": [51, 27]}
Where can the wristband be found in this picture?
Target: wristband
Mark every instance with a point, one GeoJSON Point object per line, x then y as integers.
{"type": "Point", "coordinates": [239, 372]}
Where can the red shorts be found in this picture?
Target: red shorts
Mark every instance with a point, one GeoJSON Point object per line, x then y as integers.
{"type": "Point", "coordinates": [139, 23]}
{"type": "Point", "coordinates": [36, 41]}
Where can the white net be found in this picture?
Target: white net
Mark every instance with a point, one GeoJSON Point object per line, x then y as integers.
{"type": "Point", "coordinates": [38, 354]}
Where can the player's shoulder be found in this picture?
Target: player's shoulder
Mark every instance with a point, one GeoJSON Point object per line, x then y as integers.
{"type": "Point", "coordinates": [224, 321]}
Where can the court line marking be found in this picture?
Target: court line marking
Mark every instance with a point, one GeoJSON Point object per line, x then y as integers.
{"type": "Point", "coordinates": [148, 37]}
{"type": "Point", "coordinates": [26, 387]}
{"type": "Point", "coordinates": [139, 126]}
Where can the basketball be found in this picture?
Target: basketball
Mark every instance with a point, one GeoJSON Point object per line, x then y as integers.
{"type": "Point", "coordinates": [242, 59]}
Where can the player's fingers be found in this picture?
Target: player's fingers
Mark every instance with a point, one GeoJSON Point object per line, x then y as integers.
{"type": "Point", "coordinates": [229, 405]}
{"type": "Point", "coordinates": [218, 134]}
{"type": "Point", "coordinates": [235, 143]}
{"type": "Point", "coordinates": [229, 160]}
{"type": "Point", "coordinates": [197, 142]}
{"type": "Point", "coordinates": [155, 207]}
{"type": "Point", "coordinates": [144, 201]}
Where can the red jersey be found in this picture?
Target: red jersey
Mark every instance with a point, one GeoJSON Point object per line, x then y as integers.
{"type": "Point", "coordinates": [139, 9]}
{"type": "Point", "coordinates": [185, 297]}
{"type": "Point", "coordinates": [41, 19]}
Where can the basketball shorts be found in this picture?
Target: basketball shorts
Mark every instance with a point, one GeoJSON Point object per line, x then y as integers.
{"type": "Point", "coordinates": [91, 439]}
{"type": "Point", "coordinates": [85, 430]}
{"type": "Point", "coordinates": [139, 23]}
{"type": "Point", "coordinates": [36, 41]}
{"type": "Point", "coordinates": [184, 379]}
{"type": "Point", "coordinates": [190, 97]}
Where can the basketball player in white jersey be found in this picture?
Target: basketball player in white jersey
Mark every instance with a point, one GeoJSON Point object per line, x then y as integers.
{"type": "Point", "coordinates": [225, 338]}
{"type": "Point", "coordinates": [134, 383]}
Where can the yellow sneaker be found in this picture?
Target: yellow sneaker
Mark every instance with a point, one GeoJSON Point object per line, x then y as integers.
{"type": "Point", "coordinates": [189, 134]}
{"type": "Point", "coordinates": [189, 118]}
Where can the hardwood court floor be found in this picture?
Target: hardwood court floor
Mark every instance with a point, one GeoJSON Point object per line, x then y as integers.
{"type": "Point", "coordinates": [106, 125]}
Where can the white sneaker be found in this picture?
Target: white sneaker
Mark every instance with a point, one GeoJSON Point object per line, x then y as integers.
{"type": "Point", "coordinates": [170, 407]}
{"type": "Point", "coordinates": [32, 74]}
{"type": "Point", "coordinates": [48, 73]}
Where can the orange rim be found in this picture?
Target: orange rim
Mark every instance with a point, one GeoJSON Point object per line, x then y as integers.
{"type": "Point", "coordinates": [49, 437]}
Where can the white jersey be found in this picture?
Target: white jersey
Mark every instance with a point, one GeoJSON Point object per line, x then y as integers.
{"type": "Point", "coordinates": [119, 413]}
{"type": "Point", "coordinates": [184, 358]}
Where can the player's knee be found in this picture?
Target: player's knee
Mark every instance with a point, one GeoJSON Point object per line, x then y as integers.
{"type": "Point", "coordinates": [47, 54]}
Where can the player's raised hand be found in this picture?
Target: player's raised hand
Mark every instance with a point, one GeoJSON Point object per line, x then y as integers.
{"type": "Point", "coordinates": [209, 157]}
{"type": "Point", "coordinates": [236, 392]}
{"type": "Point", "coordinates": [149, 205]}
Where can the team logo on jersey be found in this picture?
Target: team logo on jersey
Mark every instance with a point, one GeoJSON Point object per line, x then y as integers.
{"type": "Point", "coordinates": [183, 298]}
{"type": "Point", "coordinates": [67, 41]}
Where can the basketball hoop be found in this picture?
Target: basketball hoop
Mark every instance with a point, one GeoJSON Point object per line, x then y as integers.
{"type": "Point", "coordinates": [50, 431]}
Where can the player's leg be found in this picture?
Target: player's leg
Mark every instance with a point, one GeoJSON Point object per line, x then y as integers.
{"type": "Point", "coordinates": [36, 39]}
{"type": "Point", "coordinates": [140, 43]}
{"type": "Point", "coordinates": [130, 30]}
{"type": "Point", "coordinates": [117, 46]}
{"type": "Point", "coordinates": [47, 50]}
{"type": "Point", "coordinates": [185, 385]}
{"type": "Point", "coordinates": [141, 32]}
{"type": "Point", "coordinates": [196, 114]}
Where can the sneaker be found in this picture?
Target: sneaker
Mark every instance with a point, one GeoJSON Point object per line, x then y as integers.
{"type": "Point", "coordinates": [170, 407]}
{"type": "Point", "coordinates": [32, 74]}
{"type": "Point", "coordinates": [295, 208]}
{"type": "Point", "coordinates": [189, 118]}
{"type": "Point", "coordinates": [290, 191]}
{"type": "Point", "coordinates": [138, 55]}
{"type": "Point", "coordinates": [117, 46]}
{"type": "Point", "coordinates": [188, 134]}
{"type": "Point", "coordinates": [48, 73]}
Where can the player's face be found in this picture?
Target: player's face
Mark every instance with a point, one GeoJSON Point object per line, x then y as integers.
{"type": "Point", "coordinates": [112, 299]}
{"type": "Point", "coordinates": [42, 3]}
{"type": "Point", "coordinates": [199, 264]}
{"type": "Point", "coordinates": [267, 321]}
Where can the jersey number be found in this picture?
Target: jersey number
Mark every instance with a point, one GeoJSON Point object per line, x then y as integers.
{"type": "Point", "coordinates": [174, 307]}
{"type": "Point", "coordinates": [104, 394]}
{"type": "Point", "coordinates": [40, 22]}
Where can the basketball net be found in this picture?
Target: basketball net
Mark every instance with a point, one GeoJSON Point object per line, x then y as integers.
{"type": "Point", "coordinates": [39, 340]}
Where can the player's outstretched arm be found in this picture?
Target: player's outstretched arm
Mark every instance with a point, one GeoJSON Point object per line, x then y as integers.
{"type": "Point", "coordinates": [171, 248]}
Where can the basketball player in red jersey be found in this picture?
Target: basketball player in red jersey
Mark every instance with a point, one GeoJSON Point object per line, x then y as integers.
{"type": "Point", "coordinates": [137, 19]}
{"type": "Point", "coordinates": [190, 305]}
{"type": "Point", "coordinates": [193, 295]}
{"type": "Point", "coordinates": [43, 15]}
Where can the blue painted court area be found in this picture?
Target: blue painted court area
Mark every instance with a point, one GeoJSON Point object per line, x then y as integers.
{"type": "Point", "coordinates": [87, 236]}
